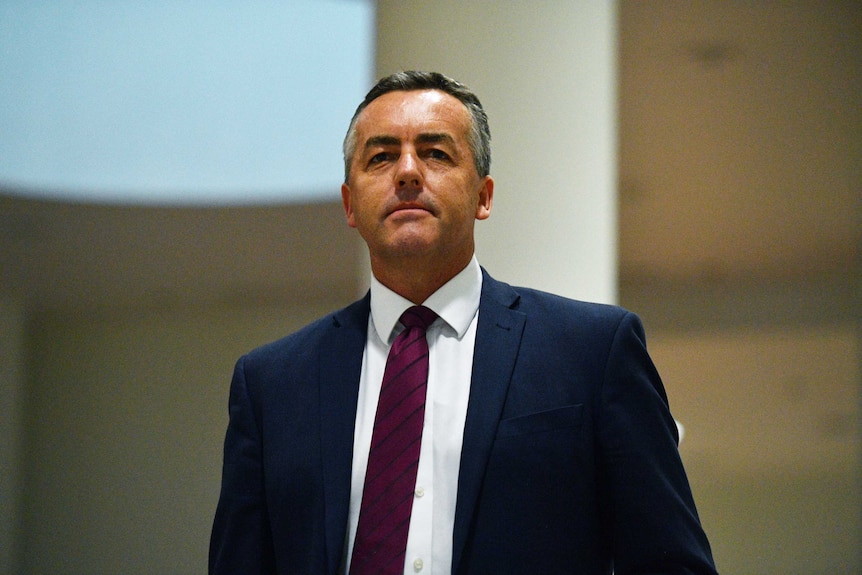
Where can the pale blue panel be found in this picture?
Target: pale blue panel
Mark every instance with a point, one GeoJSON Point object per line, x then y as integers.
{"type": "Point", "coordinates": [179, 101]}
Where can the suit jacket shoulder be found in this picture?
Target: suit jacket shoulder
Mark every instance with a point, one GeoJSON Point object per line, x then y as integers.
{"type": "Point", "coordinates": [570, 453]}
{"type": "Point", "coordinates": [288, 449]}
{"type": "Point", "coordinates": [301, 345]}
{"type": "Point", "coordinates": [530, 300]}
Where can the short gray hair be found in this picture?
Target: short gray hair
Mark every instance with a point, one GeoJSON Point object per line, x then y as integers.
{"type": "Point", "coordinates": [479, 139]}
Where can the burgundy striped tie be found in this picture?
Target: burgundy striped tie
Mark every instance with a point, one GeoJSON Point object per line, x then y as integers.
{"type": "Point", "coordinates": [387, 499]}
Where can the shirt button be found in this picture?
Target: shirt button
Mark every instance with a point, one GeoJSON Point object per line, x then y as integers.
{"type": "Point", "coordinates": [418, 565]}
{"type": "Point", "coordinates": [420, 491]}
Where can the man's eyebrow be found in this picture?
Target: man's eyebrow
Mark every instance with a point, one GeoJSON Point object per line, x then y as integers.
{"type": "Point", "coordinates": [375, 141]}
{"type": "Point", "coordinates": [425, 138]}
{"type": "Point", "coordinates": [435, 138]}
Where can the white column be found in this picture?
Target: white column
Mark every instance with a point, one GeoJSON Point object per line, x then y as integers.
{"type": "Point", "coordinates": [546, 74]}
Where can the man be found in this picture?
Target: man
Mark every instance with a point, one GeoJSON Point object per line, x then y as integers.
{"type": "Point", "coordinates": [545, 443]}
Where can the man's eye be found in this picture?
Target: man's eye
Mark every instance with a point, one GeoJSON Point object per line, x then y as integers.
{"type": "Point", "coordinates": [381, 157]}
{"type": "Point", "coordinates": [438, 154]}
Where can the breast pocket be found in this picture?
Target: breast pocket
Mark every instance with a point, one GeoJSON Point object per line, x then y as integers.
{"type": "Point", "coordinates": [567, 417]}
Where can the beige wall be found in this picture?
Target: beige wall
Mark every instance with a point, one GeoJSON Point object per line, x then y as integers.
{"type": "Point", "coordinates": [747, 364]}
{"type": "Point", "coordinates": [126, 411]}
{"type": "Point", "coordinates": [12, 389]}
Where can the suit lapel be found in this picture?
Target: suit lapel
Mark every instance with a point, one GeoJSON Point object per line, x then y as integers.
{"type": "Point", "coordinates": [340, 368]}
{"type": "Point", "coordinates": [498, 338]}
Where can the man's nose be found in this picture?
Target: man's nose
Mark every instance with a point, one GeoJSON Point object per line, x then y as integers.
{"type": "Point", "coordinates": [409, 173]}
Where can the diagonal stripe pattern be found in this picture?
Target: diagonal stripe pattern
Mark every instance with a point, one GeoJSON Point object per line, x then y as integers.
{"type": "Point", "coordinates": [387, 498]}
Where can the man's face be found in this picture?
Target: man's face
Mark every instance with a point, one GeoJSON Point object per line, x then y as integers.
{"type": "Point", "coordinates": [413, 189]}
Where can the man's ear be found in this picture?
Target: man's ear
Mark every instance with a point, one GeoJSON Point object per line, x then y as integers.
{"type": "Point", "coordinates": [486, 198]}
{"type": "Point", "coordinates": [348, 208]}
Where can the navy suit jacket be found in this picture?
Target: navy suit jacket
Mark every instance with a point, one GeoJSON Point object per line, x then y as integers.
{"type": "Point", "coordinates": [569, 462]}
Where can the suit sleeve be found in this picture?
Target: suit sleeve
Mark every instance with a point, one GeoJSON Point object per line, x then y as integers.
{"type": "Point", "coordinates": [241, 539]}
{"type": "Point", "coordinates": [649, 510]}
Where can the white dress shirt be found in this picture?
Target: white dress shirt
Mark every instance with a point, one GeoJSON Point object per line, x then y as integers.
{"type": "Point", "coordinates": [451, 339]}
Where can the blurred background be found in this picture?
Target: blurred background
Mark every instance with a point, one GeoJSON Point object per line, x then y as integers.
{"type": "Point", "coordinates": [164, 208]}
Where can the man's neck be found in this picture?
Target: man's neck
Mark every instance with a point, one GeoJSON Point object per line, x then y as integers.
{"type": "Point", "coordinates": [415, 281]}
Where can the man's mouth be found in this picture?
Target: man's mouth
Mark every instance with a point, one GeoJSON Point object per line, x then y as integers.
{"type": "Point", "coordinates": [406, 209]}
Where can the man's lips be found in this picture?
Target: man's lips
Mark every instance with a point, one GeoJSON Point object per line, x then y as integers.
{"type": "Point", "coordinates": [406, 209]}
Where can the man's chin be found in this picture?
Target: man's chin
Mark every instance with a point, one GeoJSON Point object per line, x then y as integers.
{"type": "Point", "coordinates": [411, 243]}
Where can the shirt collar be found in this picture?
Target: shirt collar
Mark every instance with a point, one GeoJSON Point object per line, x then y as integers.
{"type": "Point", "coordinates": [456, 302]}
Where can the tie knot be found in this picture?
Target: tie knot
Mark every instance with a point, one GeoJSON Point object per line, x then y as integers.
{"type": "Point", "coordinates": [418, 316]}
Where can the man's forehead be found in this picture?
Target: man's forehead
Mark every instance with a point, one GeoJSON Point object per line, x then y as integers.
{"type": "Point", "coordinates": [414, 108]}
